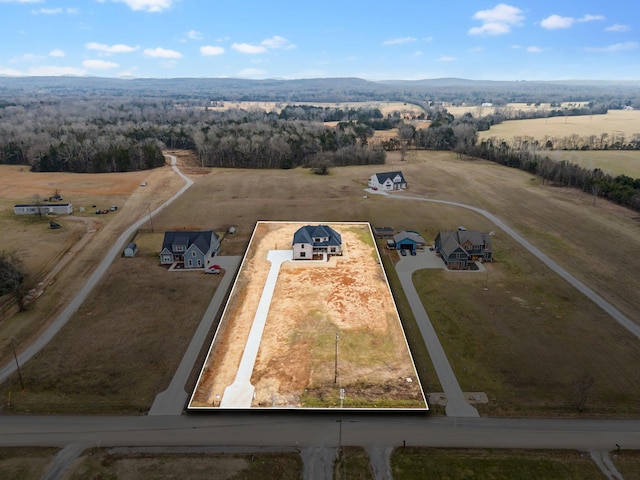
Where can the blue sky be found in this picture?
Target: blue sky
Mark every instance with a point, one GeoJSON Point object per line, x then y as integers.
{"type": "Point", "coordinates": [374, 40]}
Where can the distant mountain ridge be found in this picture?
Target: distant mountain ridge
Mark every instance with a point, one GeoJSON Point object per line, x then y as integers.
{"type": "Point", "coordinates": [333, 89]}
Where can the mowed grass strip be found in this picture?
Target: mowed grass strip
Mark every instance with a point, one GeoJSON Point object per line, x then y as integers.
{"type": "Point", "coordinates": [195, 466]}
{"type": "Point", "coordinates": [122, 347]}
{"type": "Point", "coordinates": [491, 464]}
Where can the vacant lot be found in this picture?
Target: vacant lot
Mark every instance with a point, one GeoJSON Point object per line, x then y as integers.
{"type": "Point", "coordinates": [116, 463]}
{"type": "Point", "coordinates": [615, 122]}
{"type": "Point", "coordinates": [443, 464]}
{"type": "Point", "coordinates": [312, 303]}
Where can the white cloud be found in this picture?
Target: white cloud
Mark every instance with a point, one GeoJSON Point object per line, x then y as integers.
{"type": "Point", "coordinates": [248, 48]}
{"type": "Point", "coordinates": [111, 49]}
{"type": "Point", "coordinates": [497, 20]}
{"type": "Point", "coordinates": [194, 35]}
{"type": "Point", "coordinates": [445, 58]}
{"type": "Point", "coordinates": [162, 53]}
{"type": "Point", "coordinates": [47, 11]}
{"type": "Point", "coordinates": [616, 27]}
{"type": "Point", "coordinates": [51, 71]}
{"type": "Point", "coordinates": [21, 1]}
{"type": "Point", "coordinates": [251, 72]}
{"type": "Point", "coordinates": [277, 42]}
{"type": "Point", "coordinates": [26, 57]}
{"type": "Point", "coordinates": [400, 41]}
{"type": "Point", "coordinates": [56, 52]}
{"type": "Point", "coordinates": [147, 5]}
{"type": "Point", "coordinates": [617, 47]}
{"type": "Point", "coordinates": [99, 64]}
{"type": "Point", "coordinates": [210, 51]}
{"type": "Point", "coordinates": [11, 72]}
{"type": "Point", "coordinates": [534, 49]}
{"type": "Point", "coordinates": [555, 22]}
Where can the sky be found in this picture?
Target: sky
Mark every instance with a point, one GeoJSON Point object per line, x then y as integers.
{"type": "Point", "coordinates": [290, 39]}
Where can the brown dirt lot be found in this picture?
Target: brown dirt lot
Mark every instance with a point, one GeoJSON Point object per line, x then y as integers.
{"type": "Point", "coordinates": [313, 302]}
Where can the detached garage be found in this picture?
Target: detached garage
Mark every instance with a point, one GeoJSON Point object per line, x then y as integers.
{"type": "Point", "coordinates": [409, 240]}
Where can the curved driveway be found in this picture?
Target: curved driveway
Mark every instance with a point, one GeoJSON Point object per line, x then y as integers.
{"type": "Point", "coordinates": [62, 319]}
{"type": "Point", "coordinates": [597, 299]}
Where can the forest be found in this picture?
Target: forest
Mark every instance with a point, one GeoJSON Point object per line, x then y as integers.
{"type": "Point", "coordinates": [109, 125]}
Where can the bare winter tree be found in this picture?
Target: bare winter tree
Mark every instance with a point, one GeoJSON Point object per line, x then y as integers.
{"type": "Point", "coordinates": [12, 278]}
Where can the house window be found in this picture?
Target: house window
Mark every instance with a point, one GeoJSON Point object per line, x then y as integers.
{"type": "Point", "coordinates": [333, 249]}
{"type": "Point", "coordinates": [193, 254]}
{"type": "Point", "coordinates": [303, 254]}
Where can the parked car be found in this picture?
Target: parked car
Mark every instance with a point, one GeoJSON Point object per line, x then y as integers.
{"type": "Point", "coordinates": [213, 269]}
{"type": "Point", "coordinates": [403, 252]}
{"type": "Point", "coordinates": [143, 184]}
{"type": "Point", "coordinates": [413, 252]}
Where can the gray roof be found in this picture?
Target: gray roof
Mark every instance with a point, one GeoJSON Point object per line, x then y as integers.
{"type": "Point", "coordinates": [399, 237]}
{"type": "Point", "coordinates": [383, 177]}
{"type": "Point", "coordinates": [450, 241]}
{"type": "Point", "coordinates": [202, 240]}
{"type": "Point", "coordinates": [307, 233]}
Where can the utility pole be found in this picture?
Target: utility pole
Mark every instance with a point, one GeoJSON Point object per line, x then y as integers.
{"type": "Point", "coordinates": [335, 378]}
{"type": "Point", "coordinates": [150, 221]}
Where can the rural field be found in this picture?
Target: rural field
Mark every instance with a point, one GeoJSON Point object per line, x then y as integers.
{"type": "Point", "coordinates": [479, 110]}
{"type": "Point", "coordinates": [385, 107]}
{"type": "Point", "coordinates": [615, 122]}
{"type": "Point", "coordinates": [613, 162]}
{"type": "Point", "coordinates": [317, 307]}
{"type": "Point", "coordinates": [492, 464]}
{"type": "Point", "coordinates": [563, 223]}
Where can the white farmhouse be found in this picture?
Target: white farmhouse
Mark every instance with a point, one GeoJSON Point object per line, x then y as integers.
{"type": "Point", "coordinates": [387, 181]}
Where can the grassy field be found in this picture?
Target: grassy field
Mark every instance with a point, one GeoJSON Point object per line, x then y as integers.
{"type": "Point", "coordinates": [110, 357]}
{"type": "Point", "coordinates": [618, 122]}
{"type": "Point", "coordinates": [443, 464]}
{"type": "Point", "coordinates": [613, 162]}
{"type": "Point", "coordinates": [25, 463]}
{"type": "Point", "coordinates": [628, 464]}
{"type": "Point", "coordinates": [597, 243]}
{"type": "Point", "coordinates": [478, 110]}
{"type": "Point", "coordinates": [107, 464]}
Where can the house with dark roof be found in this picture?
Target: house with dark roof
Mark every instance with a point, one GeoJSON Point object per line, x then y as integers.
{"type": "Point", "coordinates": [316, 240]}
{"type": "Point", "coordinates": [408, 240]}
{"type": "Point", "coordinates": [458, 249]}
{"type": "Point", "coordinates": [387, 181]}
{"type": "Point", "coordinates": [191, 249]}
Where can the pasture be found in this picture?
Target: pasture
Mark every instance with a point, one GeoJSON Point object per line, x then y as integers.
{"type": "Point", "coordinates": [613, 162]}
{"type": "Point", "coordinates": [597, 243]}
{"type": "Point", "coordinates": [616, 122]}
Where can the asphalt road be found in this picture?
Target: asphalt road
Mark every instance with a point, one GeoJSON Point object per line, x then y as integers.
{"type": "Point", "coordinates": [25, 355]}
{"type": "Point", "coordinates": [308, 430]}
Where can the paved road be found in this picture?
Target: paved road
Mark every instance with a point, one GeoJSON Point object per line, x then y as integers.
{"type": "Point", "coordinates": [172, 401]}
{"type": "Point", "coordinates": [282, 429]}
{"type": "Point", "coordinates": [457, 405]}
{"type": "Point", "coordinates": [62, 319]}
{"type": "Point", "coordinates": [623, 320]}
